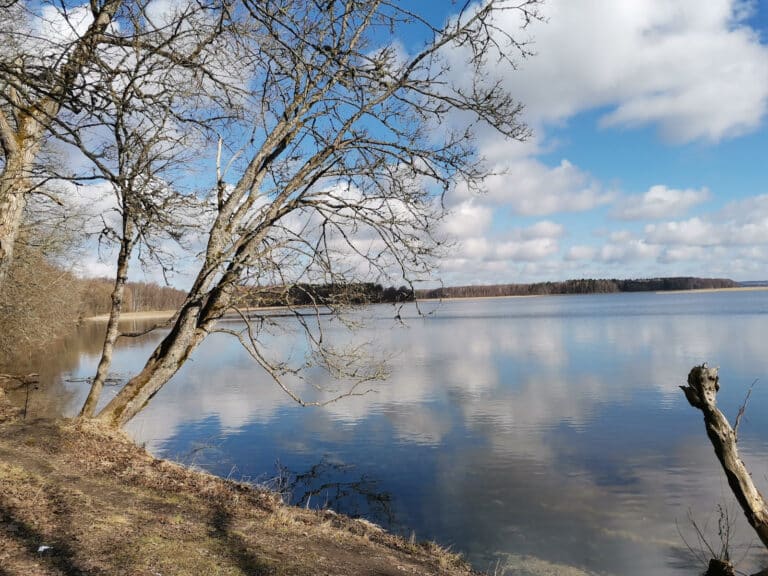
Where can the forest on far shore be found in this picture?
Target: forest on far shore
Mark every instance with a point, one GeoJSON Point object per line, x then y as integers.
{"type": "Point", "coordinates": [581, 286]}
{"type": "Point", "coordinates": [42, 301]}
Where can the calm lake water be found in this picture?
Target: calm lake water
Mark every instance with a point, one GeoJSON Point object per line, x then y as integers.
{"type": "Point", "coordinates": [543, 432]}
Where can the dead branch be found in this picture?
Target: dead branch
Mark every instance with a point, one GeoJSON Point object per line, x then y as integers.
{"type": "Point", "coordinates": [21, 379]}
{"type": "Point", "coordinates": [743, 409]}
{"type": "Point", "coordinates": [701, 393]}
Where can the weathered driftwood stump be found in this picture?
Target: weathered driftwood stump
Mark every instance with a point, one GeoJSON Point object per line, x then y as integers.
{"type": "Point", "coordinates": [701, 392]}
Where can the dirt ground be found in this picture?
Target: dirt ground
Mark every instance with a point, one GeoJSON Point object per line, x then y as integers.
{"type": "Point", "coordinates": [78, 499]}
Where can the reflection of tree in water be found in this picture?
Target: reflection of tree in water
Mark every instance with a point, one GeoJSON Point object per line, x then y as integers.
{"type": "Point", "coordinates": [46, 396]}
{"type": "Point", "coordinates": [49, 395]}
{"type": "Point", "coordinates": [333, 485]}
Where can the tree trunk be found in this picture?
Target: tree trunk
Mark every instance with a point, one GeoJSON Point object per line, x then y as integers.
{"type": "Point", "coordinates": [165, 361]}
{"type": "Point", "coordinates": [118, 291]}
{"type": "Point", "coordinates": [14, 187]}
{"type": "Point", "coordinates": [193, 323]}
{"type": "Point", "coordinates": [701, 393]}
{"type": "Point", "coordinates": [21, 143]}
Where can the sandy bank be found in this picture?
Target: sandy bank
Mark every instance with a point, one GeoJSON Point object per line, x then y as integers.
{"type": "Point", "coordinates": [148, 315]}
{"type": "Point", "coordinates": [738, 289]}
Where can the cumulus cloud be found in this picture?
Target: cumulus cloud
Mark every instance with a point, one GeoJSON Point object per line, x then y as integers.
{"type": "Point", "coordinates": [543, 229]}
{"type": "Point", "coordinates": [660, 202]}
{"type": "Point", "coordinates": [740, 223]}
{"type": "Point", "coordinates": [534, 249]}
{"type": "Point", "coordinates": [693, 72]}
{"type": "Point", "coordinates": [60, 26]}
{"type": "Point", "coordinates": [692, 232]}
{"type": "Point", "coordinates": [490, 258]}
{"type": "Point", "coordinates": [467, 219]}
{"type": "Point", "coordinates": [693, 69]}
{"type": "Point", "coordinates": [628, 250]}
{"type": "Point", "coordinates": [530, 188]}
{"type": "Point", "coordinates": [579, 252]}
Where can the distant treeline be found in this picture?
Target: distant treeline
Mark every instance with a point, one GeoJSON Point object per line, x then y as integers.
{"type": "Point", "coordinates": [96, 295]}
{"type": "Point", "coordinates": [581, 286]}
{"type": "Point", "coordinates": [325, 294]}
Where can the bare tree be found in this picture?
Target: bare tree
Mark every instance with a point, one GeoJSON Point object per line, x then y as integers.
{"type": "Point", "coordinates": [40, 74]}
{"type": "Point", "coordinates": [140, 132]}
{"type": "Point", "coordinates": [39, 301]}
{"type": "Point", "coordinates": [345, 145]}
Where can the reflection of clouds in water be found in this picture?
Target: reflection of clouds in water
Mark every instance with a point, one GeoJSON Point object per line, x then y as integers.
{"type": "Point", "coordinates": [675, 344]}
{"type": "Point", "coordinates": [523, 373]}
{"type": "Point", "coordinates": [552, 434]}
{"type": "Point", "coordinates": [219, 381]}
{"type": "Point", "coordinates": [563, 514]}
{"type": "Point", "coordinates": [419, 424]}
{"type": "Point", "coordinates": [431, 359]}
{"type": "Point", "coordinates": [515, 421]}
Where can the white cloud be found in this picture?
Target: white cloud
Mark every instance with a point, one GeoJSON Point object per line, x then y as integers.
{"type": "Point", "coordinates": [695, 72]}
{"type": "Point", "coordinates": [576, 253]}
{"type": "Point", "coordinates": [467, 219]}
{"type": "Point", "coordinates": [683, 254]}
{"type": "Point", "coordinates": [530, 188]}
{"type": "Point", "coordinates": [92, 266]}
{"type": "Point", "coordinates": [692, 68]}
{"type": "Point", "coordinates": [660, 202]}
{"type": "Point", "coordinates": [526, 250]}
{"type": "Point", "coordinates": [504, 256]}
{"type": "Point", "coordinates": [543, 229]}
{"type": "Point", "coordinates": [713, 230]}
{"type": "Point", "coordinates": [628, 250]}
{"type": "Point", "coordinates": [61, 26]}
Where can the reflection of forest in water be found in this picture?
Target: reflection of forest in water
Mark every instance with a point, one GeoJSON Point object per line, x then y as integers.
{"type": "Point", "coordinates": [54, 392]}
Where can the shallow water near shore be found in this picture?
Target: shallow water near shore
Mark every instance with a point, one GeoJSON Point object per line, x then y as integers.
{"type": "Point", "coordinates": [539, 432]}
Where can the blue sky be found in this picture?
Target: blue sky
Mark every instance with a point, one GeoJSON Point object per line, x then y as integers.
{"type": "Point", "coordinates": [649, 154]}
{"type": "Point", "coordinates": [649, 151]}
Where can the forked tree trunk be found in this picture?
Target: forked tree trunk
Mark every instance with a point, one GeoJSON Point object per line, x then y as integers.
{"type": "Point", "coordinates": [701, 393]}
{"type": "Point", "coordinates": [194, 322]}
{"type": "Point", "coordinates": [165, 361]}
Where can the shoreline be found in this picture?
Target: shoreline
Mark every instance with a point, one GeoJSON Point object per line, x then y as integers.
{"type": "Point", "coordinates": [736, 289]}
{"type": "Point", "coordinates": [690, 291]}
{"type": "Point", "coordinates": [68, 488]}
{"type": "Point", "coordinates": [145, 315]}
{"type": "Point", "coordinates": [167, 314]}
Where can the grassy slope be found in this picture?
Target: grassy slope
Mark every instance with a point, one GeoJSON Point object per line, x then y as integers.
{"type": "Point", "coordinates": [104, 506]}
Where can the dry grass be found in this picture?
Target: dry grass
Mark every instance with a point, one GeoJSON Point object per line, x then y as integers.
{"type": "Point", "coordinates": [102, 506]}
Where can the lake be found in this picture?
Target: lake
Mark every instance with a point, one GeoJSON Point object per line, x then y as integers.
{"type": "Point", "coordinates": [548, 433]}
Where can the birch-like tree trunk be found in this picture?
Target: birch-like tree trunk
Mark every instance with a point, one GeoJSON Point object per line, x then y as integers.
{"type": "Point", "coordinates": [12, 204]}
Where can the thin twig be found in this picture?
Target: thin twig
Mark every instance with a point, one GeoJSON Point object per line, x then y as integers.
{"type": "Point", "coordinates": [742, 409]}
